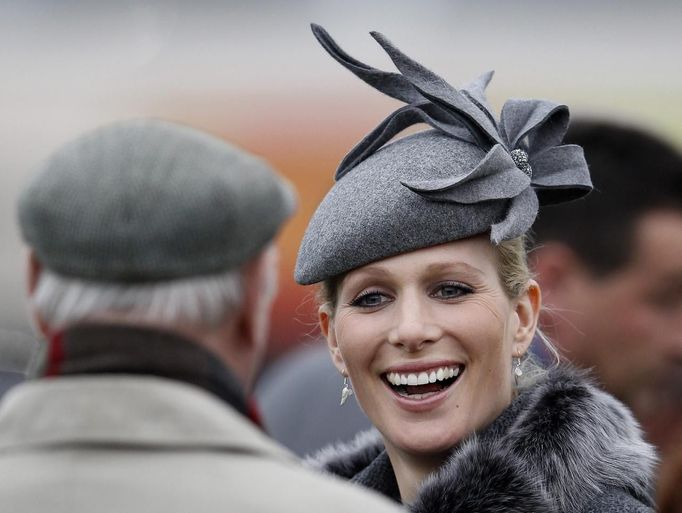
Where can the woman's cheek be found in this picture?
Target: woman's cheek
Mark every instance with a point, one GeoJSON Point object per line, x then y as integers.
{"type": "Point", "coordinates": [354, 338]}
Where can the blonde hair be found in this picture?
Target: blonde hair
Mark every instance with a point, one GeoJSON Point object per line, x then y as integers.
{"type": "Point", "coordinates": [515, 274]}
{"type": "Point", "coordinates": [513, 270]}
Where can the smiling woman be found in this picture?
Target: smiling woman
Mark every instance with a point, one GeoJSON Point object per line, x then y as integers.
{"type": "Point", "coordinates": [426, 336]}
{"type": "Point", "coordinates": [429, 310]}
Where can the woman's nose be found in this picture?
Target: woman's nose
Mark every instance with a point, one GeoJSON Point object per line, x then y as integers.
{"type": "Point", "coordinates": [413, 326]}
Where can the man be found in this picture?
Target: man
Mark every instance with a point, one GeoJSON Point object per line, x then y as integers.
{"type": "Point", "coordinates": [151, 274]}
{"type": "Point", "coordinates": [610, 268]}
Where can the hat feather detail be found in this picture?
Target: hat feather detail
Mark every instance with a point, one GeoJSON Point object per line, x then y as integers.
{"type": "Point", "coordinates": [561, 175]}
{"type": "Point", "coordinates": [521, 213]}
{"type": "Point", "coordinates": [475, 91]}
{"type": "Point", "coordinates": [441, 93]}
{"type": "Point", "coordinates": [534, 126]}
{"type": "Point", "coordinates": [496, 177]}
{"type": "Point", "coordinates": [392, 84]}
{"type": "Point", "coordinates": [471, 173]}
{"type": "Point", "coordinates": [421, 112]}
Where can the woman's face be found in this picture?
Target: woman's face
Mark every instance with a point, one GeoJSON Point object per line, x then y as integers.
{"type": "Point", "coordinates": [427, 339]}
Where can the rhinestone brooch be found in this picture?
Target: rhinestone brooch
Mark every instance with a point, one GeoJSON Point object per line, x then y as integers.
{"type": "Point", "coordinates": [520, 158]}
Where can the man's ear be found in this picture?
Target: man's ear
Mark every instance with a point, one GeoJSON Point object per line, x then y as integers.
{"type": "Point", "coordinates": [33, 270]}
{"type": "Point", "coordinates": [260, 288]}
{"type": "Point", "coordinates": [527, 308]}
{"type": "Point", "coordinates": [326, 318]}
{"type": "Point", "coordinates": [253, 318]}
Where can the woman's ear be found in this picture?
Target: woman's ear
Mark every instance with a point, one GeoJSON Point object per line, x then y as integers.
{"type": "Point", "coordinates": [527, 311]}
{"type": "Point", "coordinates": [326, 318]}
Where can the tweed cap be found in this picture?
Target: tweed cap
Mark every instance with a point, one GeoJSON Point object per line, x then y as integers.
{"type": "Point", "coordinates": [468, 174]}
{"type": "Point", "coordinates": [148, 200]}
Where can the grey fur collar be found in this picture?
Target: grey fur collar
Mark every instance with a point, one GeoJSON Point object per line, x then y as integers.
{"type": "Point", "coordinates": [561, 446]}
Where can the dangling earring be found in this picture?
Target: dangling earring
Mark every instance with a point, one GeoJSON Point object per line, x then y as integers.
{"type": "Point", "coordinates": [517, 370]}
{"type": "Point", "coordinates": [346, 391]}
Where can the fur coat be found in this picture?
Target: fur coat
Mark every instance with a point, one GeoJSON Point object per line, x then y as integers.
{"type": "Point", "coordinates": [563, 446]}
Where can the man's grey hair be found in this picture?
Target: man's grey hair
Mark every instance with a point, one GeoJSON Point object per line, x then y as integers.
{"type": "Point", "coordinates": [206, 300]}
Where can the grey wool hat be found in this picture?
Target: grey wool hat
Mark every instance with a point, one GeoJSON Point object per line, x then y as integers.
{"type": "Point", "coordinates": [467, 175]}
{"type": "Point", "coordinates": [148, 200]}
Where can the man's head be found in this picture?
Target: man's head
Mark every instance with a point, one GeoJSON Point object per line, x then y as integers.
{"type": "Point", "coordinates": [610, 266]}
{"type": "Point", "coordinates": [152, 223]}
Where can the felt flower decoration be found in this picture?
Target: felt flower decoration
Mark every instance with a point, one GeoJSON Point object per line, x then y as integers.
{"type": "Point", "coordinates": [525, 162]}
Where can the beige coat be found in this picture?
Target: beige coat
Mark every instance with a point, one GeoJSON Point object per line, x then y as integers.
{"type": "Point", "coordinates": [143, 444]}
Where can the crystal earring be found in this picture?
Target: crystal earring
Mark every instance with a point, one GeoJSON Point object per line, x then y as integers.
{"type": "Point", "coordinates": [517, 370]}
{"type": "Point", "coordinates": [346, 391]}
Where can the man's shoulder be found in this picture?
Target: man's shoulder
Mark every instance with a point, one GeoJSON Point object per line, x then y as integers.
{"type": "Point", "coordinates": [331, 493]}
{"type": "Point", "coordinates": [210, 456]}
{"type": "Point", "coordinates": [173, 481]}
{"type": "Point", "coordinates": [135, 411]}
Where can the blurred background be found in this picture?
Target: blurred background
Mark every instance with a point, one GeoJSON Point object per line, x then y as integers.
{"type": "Point", "coordinates": [251, 72]}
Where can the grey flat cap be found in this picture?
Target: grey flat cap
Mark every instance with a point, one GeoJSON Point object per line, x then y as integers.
{"type": "Point", "coordinates": [148, 200]}
{"type": "Point", "coordinates": [469, 174]}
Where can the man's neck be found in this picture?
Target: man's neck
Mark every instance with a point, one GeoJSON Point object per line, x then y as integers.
{"type": "Point", "coordinates": [141, 350]}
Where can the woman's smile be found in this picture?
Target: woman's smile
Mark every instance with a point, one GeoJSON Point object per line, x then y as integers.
{"type": "Point", "coordinates": [421, 387]}
{"type": "Point", "coordinates": [427, 339]}
{"type": "Point", "coordinates": [418, 383]}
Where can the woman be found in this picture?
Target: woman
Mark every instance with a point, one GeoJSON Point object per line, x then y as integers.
{"type": "Point", "coordinates": [429, 310]}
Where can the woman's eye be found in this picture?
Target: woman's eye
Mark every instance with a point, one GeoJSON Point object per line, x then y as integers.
{"type": "Point", "coordinates": [369, 299]}
{"type": "Point", "coordinates": [451, 291]}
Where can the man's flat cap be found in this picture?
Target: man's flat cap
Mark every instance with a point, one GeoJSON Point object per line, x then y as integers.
{"type": "Point", "coordinates": [147, 200]}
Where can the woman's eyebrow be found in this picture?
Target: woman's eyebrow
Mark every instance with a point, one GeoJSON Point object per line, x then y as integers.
{"type": "Point", "coordinates": [368, 273]}
{"type": "Point", "coordinates": [453, 266]}
{"type": "Point", "coordinates": [378, 271]}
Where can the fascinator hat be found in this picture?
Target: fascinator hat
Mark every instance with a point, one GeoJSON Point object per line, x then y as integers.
{"type": "Point", "coordinates": [469, 174]}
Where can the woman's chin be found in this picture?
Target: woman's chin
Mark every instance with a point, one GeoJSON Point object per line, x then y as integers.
{"type": "Point", "coordinates": [425, 440]}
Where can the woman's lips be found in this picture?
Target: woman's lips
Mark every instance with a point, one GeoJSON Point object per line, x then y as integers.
{"type": "Point", "coordinates": [423, 389]}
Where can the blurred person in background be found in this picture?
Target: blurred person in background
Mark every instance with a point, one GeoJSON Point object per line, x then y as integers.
{"type": "Point", "coordinates": [151, 274]}
{"type": "Point", "coordinates": [610, 268]}
{"type": "Point", "coordinates": [670, 482]}
{"type": "Point", "coordinates": [429, 309]}
{"type": "Point", "coordinates": [298, 397]}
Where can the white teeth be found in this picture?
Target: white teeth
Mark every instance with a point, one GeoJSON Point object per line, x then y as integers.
{"type": "Point", "coordinates": [423, 378]}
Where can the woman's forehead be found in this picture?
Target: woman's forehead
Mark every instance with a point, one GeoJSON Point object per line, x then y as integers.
{"type": "Point", "coordinates": [474, 255]}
